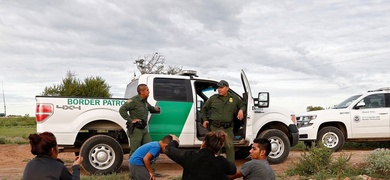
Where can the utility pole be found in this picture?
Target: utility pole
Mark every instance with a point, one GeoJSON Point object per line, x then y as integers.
{"type": "Point", "coordinates": [5, 107]}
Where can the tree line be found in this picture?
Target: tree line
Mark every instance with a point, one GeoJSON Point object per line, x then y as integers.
{"type": "Point", "coordinates": [98, 87]}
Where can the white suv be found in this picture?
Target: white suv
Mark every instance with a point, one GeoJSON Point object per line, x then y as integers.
{"type": "Point", "coordinates": [364, 117]}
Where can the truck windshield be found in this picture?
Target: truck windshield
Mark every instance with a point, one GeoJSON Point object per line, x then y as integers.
{"type": "Point", "coordinates": [131, 89]}
{"type": "Point", "coordinates": [347, 102]}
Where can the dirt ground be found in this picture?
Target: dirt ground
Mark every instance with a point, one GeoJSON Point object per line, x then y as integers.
{"type": "Point", "coordinates": [14, 158]}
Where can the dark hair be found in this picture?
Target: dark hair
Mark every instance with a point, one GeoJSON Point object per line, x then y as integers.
{"type": "Point", "coordinates": [264, 144]}
{"type": "Point", "coordinates": [167, 139]}
{"type": "Point", "coordinates": [42, 143]}
{"type": "Point", "coordinates": [141, 87]}
{"type": "Point", "coordinates": [215, 140]}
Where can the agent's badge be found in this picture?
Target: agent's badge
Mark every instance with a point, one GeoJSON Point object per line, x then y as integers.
{"type": "Point", "coordinates": [231, 100]}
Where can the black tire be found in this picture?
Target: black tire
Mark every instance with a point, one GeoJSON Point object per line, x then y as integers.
{"type": "Point", "coordinates": [331, 137]}
{"type": "Point", "coordinates": [102, 155]}
{"type": "Point", "coordinates": [280, 145]}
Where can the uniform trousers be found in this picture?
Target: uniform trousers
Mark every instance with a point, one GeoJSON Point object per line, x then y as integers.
{"type": "Point", "coordinates": [138, 138]}
{"type": "Point", "coordinates": [229, 145]}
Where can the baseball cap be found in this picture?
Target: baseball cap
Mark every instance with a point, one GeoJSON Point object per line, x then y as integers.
{"type": "Point", "coordinates": [222, 83]}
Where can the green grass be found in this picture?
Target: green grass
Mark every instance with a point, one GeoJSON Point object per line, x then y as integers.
{"type": "Point", "coordinates": [22, 132]}
{"type": "Point", "coordinates": [15, 130]}
{"type": "Point", "coordinates": [17, 121]}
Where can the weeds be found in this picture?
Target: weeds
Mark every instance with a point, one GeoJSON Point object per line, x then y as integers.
{"type": "Point", "coordinates": [318, 163]}
{"type": "Point", "coordinates": [378, 162]}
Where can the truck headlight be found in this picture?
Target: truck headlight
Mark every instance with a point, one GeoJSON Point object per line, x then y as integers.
{"type": "Point", "coordinates": [303, 121]}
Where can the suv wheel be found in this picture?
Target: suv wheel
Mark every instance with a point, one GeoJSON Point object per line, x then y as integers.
{"type": "Point", "coordinates": [331, 137]}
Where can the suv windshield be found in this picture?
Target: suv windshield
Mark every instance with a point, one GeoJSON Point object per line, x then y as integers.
{"type": "Point", "coordinates": [347, 102]}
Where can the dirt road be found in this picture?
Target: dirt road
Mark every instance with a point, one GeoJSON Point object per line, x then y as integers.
{"type": "Point", "coordinates": [14, 158]}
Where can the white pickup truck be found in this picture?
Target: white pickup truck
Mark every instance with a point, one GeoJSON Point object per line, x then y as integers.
{"type": "Point", "coordinates": [362, 117]}
{"type": "Point", "coordinates": [93, 127]}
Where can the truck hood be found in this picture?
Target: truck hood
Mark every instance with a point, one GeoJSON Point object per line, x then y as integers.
{"type": "Point", "coordinates": [329, 113]}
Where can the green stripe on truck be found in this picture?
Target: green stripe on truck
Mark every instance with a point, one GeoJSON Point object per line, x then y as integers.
{"type": "Point", "coordinates": [171, 119]}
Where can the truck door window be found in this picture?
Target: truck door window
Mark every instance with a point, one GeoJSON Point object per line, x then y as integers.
{"type": "Point", "coordinates": [165, 89]}
{"type": "Point", "coordinates": [372, 101]}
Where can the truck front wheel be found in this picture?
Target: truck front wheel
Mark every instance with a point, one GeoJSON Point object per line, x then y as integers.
{"type": "Point", "coordinates": [280, 145]}
{"type": "Point", "coordinates": [331, 137]}
{"type": "Point", "coordinates": [102, 154]}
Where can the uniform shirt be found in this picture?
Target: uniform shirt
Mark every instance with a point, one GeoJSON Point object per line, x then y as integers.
{"type": "Point", "coordinates": [200, 165]}
{"type": "Point", "coordinates": [137, 158]}
{"type": "Point", "coordinates": [137, 107]}
{"type": "Point", "coordinates": [45, 167]}
{"type": "Point", "coordinates": [222, 108]}
{"type": "Point", "coordinates": [257, 169]}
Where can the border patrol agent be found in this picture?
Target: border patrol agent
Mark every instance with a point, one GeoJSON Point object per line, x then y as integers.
{"type": "Point", "coordinates": [218, 113]}
{"type": "Point", "coordinates": [135, 111]}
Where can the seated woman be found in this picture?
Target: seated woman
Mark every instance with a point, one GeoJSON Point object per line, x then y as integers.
{"type": "Point", "coordinates": [45, 165]}
{"type": "Point", "coordinates": [203, 164]}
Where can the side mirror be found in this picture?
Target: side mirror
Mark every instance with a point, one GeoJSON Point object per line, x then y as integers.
{"type": "Point", "coordinates": [262, 100]}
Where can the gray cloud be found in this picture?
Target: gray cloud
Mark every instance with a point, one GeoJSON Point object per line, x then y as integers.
{"type": "Point", "coordinates": [299, 51]}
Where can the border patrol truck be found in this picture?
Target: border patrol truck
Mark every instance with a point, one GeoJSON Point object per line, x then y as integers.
{"type": "Point", "coordinates": [93, 128]}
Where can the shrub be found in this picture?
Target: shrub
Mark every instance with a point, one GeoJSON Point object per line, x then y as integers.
{"type": "Point", "coordinates": [318, 163]}
{"type": "Point", "coordinates": [378, 162]}
{"type": "Point", "coordinates": [2, 140]}
{"type": "Point", "coordinates": [312, 162]}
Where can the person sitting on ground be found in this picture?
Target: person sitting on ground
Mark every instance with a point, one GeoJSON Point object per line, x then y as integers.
{"type": "Point", "coordinates": [258, 167]}
{"type": "Point", "coordinates": [140, 162]}
{"type": "Point", "coordinates": [45, 165]}
{"type": "Point", "coordinates": [204, 164]}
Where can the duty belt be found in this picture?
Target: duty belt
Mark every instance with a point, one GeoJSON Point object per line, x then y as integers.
{"type": "Point", "coordinates": [219, 124]}
{"type": "Point", "coordinates": [140, 124]}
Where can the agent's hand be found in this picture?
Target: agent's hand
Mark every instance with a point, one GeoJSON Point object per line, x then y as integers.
{"type": "Point", "coordinates": [240, 115]}
{"type": "Point", "coordinates": [157, 108]}
{"type": "Point", "coordinates": [78, 160]}
{"type": "Point", "coordinates": [174, 137]}
{"type": "Point", "coordinates": [205, 124]}
{"type": "Point", "coordinates": [135, 121]}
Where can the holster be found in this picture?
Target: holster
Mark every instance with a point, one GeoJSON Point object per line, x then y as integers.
{"type": "Point", "coordinates": [130, 127]}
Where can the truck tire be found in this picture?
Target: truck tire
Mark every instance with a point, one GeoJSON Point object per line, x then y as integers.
{"type": "Point", "coordinates": [331, 137]}
{"type": "Point", "coordinates": [102, 155]}
{"type": "Point", "coordinates": [280, 145]}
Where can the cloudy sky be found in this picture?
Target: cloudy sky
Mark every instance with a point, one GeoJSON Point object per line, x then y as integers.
{"type": "Point", "coordinates": [302, 52]}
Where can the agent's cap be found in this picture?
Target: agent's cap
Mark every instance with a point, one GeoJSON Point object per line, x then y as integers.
{"type": "Point", "coordinates": [222, 83]}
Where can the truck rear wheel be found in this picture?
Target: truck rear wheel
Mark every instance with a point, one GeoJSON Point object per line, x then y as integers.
{"type": "Point", "coordinates": [102, 155]}
{"type": "Point", "coordinates": [280, 145]}
{"type": "Point", "coordinates": [331, 137]}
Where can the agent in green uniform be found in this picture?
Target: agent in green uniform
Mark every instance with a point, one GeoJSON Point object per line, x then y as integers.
{"type": "Point", "coordinates": [135, 111]}
{"type": "Point", "coordinates": [218, 113]}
